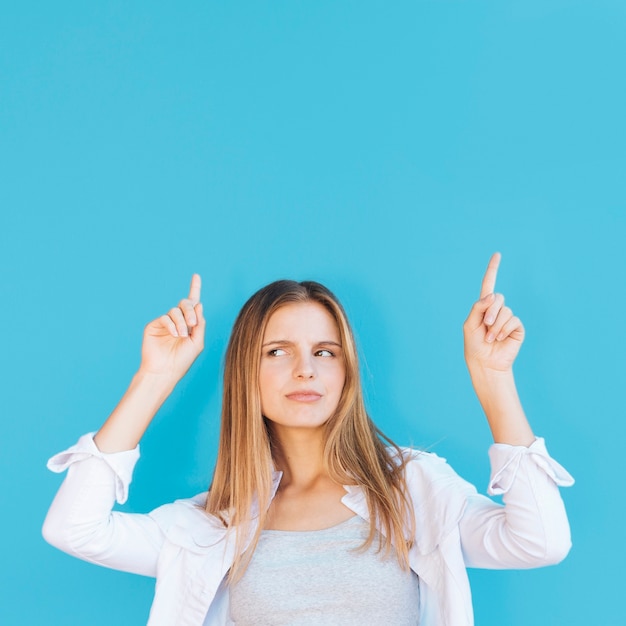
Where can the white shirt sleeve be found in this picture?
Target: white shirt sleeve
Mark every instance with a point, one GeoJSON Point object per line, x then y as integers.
{"type": "Point", "coordinates": [531, 529]}
{"type": "Point", "coordinates": [80, 520]}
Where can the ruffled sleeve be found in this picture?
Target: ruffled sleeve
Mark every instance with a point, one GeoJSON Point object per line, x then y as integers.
{"type": "Point", "coordinates": [506, 461]}
{"type": "Point", "coordinates": [531, 529]}
{"type": "Point", "coordinates": [81, 520]}
{"type": "Point", "coordinates": [121, 463]}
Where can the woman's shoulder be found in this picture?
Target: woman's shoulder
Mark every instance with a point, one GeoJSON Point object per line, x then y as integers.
{"type": "Point", "coordinates": [188, 513]}
{"type": "Point", "coordinates": [429, 472]}
{"type": "Point", "coordinates": [186, 524]}
{"type": "Point", "coordinates": [438, 494]}
{"type": "Point", "coordinates": [415, 456]}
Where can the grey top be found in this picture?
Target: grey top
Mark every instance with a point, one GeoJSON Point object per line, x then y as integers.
{"type": "Point", "coordinates": [319, 577]}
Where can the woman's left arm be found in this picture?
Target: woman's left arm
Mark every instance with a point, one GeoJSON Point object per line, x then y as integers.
{"type": "Point", "coordinates": [532, 528]}
{"type": "Point", "coordinates": [493, 337]}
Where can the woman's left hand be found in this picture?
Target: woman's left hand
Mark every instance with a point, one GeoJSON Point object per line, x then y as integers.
{"type": "Point", "coordinates": [492, 334]}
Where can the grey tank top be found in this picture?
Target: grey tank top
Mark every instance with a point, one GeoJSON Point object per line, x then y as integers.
{"type": "Point", "coordinates": [302, 578]}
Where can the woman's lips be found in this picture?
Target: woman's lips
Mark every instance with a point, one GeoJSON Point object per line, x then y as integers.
{"type": "Point", "coordinates": [304, 396]}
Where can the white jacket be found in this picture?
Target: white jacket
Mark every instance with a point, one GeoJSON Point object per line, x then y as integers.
{"type": "Point", "coordinates": [189, 552]}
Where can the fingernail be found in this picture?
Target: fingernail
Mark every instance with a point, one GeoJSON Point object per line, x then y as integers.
{"type": "Point", "coordinates": [489, 320]}
{"type": "Point", "coordinates": [489, 337]}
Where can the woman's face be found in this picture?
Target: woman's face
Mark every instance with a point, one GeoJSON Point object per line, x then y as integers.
{"type": "Point", "coordinates": [302, 369]}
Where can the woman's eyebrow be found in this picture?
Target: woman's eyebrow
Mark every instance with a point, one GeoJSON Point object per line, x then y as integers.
{"type": "Point", "coordinates": [282, 342]}
{"type": "Point", "coordinates": [286, 342]}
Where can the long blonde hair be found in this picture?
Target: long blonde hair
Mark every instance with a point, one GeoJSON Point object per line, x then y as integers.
{"type": "Point", "coordinates": [354, 451]}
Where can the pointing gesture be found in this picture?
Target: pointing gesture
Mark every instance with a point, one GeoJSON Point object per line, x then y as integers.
{"type": "Point", "coordinates": [172, 342]}
{"type": "Point", "coordinates": [493, 335]}
{"type": "Point", "coordinates": [489, 279]}
{"type": "Point", "coordinates": [194, 290]}
{"type": "Point", "coordinates": [170, 345]}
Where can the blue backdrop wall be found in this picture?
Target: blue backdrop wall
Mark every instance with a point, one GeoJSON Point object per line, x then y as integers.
{"type": "Point", "coordinates": [386, 149]}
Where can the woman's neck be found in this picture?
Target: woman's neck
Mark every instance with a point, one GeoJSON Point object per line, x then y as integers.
{"type": "Point", "coordinates": [299, 454]}
{"type": "Point", "coordinates": [307, 497]}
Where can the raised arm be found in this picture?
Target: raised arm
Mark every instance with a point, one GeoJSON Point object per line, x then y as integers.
{"type": "Point", "coordinates": [493, 337]}
{"type": "Point", "coordinates": [80, 520]}
{"type": "Point", "coordinates": [171, 344]}
{"type": "Point", "coordinates": [532, 528]}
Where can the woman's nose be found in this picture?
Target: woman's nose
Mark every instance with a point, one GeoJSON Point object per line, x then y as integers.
{"type": "Point", "coordinates": [304, 367]}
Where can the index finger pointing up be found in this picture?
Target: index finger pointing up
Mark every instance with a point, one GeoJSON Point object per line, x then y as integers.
{"type": "Point", "coordinates": [194, 290]}
{"type": "Point", "coordinates": [489, 280]}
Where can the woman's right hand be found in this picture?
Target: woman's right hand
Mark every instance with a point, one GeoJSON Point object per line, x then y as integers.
{"type": "Point", "coordinates": [172, 342]}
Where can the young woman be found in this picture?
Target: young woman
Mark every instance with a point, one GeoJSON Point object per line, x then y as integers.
{"type": "Point", "coordinates": [311, 518]}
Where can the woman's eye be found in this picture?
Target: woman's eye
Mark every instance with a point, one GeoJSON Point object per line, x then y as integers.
{"type": "Point", "coordinates": [324, 353]}
{"type": "Point", "coordinates": [276, 352]}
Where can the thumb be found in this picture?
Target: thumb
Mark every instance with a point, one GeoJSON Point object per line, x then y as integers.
{"type": "Point", "coordinates": [198, 329]}
{"type": "Point", "coordinates": [477, 313]}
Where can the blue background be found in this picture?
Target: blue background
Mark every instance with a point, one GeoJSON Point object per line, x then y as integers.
{"type": "Point", "coordinates": [386, 149]}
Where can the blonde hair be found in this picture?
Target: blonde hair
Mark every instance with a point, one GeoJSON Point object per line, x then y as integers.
{"type": "Point", "coordinates": [354, 451]}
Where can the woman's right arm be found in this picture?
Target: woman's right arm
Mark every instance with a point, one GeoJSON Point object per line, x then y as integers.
{"type": "Point", "coordinates": [171, 344]}
{"type": "Point", "coordinates": [80, 520]}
